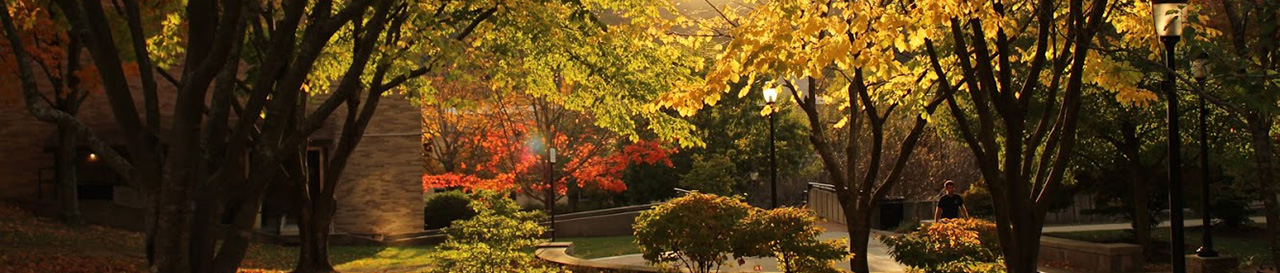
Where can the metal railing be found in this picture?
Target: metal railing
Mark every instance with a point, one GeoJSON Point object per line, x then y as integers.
{"type": "Point", "coordinates": [821, 198]}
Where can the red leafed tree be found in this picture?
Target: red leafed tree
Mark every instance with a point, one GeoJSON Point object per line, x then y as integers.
{"type": "Point", "coordinates": [498, 142]}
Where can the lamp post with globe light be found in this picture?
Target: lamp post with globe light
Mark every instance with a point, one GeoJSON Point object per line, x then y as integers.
{"type": "Point", "coordinates": [1200, 71]}
{"type": "Point", "coordinates": [1167, 17]}
{"type": "Point", "coordinates": [771, 96]}
{"type": "Point", "coordinates": [551, 189]}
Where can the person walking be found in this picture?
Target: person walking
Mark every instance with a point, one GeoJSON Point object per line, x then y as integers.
{"type": "Point", "coordinates": [950, 205]}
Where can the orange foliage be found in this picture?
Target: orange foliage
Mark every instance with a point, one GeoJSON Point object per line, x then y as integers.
{"type": "Point", "coordinates": [46, 42]}
{"type": "Point", "coordinates": [508, 162]}
{"type": "Point", "coordinates": [34, 244]}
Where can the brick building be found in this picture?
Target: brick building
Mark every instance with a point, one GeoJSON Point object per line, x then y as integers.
{"type": "Point", "coordinates": [380, 191]}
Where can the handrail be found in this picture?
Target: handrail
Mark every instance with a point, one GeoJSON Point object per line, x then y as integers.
{"type": "Point", "coordinates": [822, 186]}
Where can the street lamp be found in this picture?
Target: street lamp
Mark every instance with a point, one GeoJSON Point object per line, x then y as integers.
{"type": "Point", "coordinates": [551, 189]}
{"type": "Point", "coordinates": [771, 96]}
{"type": "Point", "coordinates": [1167, 17]}
{"type": "Point", "coordinates": [1200, 70]}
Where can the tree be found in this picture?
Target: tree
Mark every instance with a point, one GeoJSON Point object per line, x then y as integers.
{"type": "Point", "coordinates": [506, 157]}
{"type": "Point", "coordinates": [199, 176]}
{"type": "Point", "coordinates": [827, 55]}
{"type": "Point", "coordinates": [735, 130]}
{"type": "Point", "coordinates": [1248, 81]}
{"type": "Point", "coordinates": [585, 92]}
{"type": "Point", "coordinates": [1025, 99]}
{"type": "Point", "coordinates": [56, 52]}
{"type": "Point", "coordinates": [1120, 142]}
{"type": "Point", "coordinates": [713, 174]}
{"type": "Point", "coordinates": [1238, 37]}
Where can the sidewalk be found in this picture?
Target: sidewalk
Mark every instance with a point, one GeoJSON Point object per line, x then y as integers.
{"type": "Point", "coordinates": [1123, 226]}
{"type": "Point", "coordinates": [878, 257]}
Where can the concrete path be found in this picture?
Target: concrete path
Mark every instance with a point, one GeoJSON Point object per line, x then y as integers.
{"type": "Point", "coordinates": [878, 258]}
{"type": "Point", "coordinates": [1123, 226]}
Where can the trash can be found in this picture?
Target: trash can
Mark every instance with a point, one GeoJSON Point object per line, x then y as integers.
{"type": "Point", "coordinates": [891, 212]}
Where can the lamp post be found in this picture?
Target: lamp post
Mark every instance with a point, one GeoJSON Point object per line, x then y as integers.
{"type": "Point", "coordinates": [771, 96]}
{"type": "Point", "coordinates": [1200, 70]}
{"type": "Point", "coordinates": [551, 189]}
{"type": "Point", "coordinates": [1167, 18]}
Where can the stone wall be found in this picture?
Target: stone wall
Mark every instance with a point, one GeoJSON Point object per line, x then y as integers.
{"type": "Point", "coordinates": [1093, 257]}
{"type": "Point", "coordinates": [599, 223]}
{"type": "Point", "coordinates": [24, 160]}
{"type": "Point", "coordinates": [380, 191]}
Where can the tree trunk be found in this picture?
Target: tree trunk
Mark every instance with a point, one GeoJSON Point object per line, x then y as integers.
{"type": "Point", "coordinates": [314, 230]}
{"type": "Point", "coordinates": [172, 235]}
{"type": "Point", "coordinates": [1025, 259]}
{"type": "Point", "coordinates": [858, 221]}
{"type": "Point", "coordinates": [68, 198]}
{"type": "Point", "coordinates": [314, 218]}
{"type": "Point", "coordinates": [574, 194]}
{"type": "Point", "coordinates": [1141, 216]}
{"type": "Point", "coordinates": [203, 240]}
{"type": "Point", "coordinates": [1131, 149]}
{"type": "Point", "coordinates": [1264, 156]}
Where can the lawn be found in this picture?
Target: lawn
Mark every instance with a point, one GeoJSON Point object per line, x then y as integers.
{"type": "Point", "coordinates": [1248, 245]}
{"type": "Point", "coordinates": [35, 244]}
{"type": "Point", "coordinates": [273, 258]}
{"type": "Point", "coordinates": [599, 247]}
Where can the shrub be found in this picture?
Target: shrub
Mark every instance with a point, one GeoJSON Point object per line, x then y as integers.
{"type": "Point", "coordinates": [791, 235]}
{"type": "Point", "coordinates": [696, 230]}
{"type": "Point", "coordinates": [497, 239]}
{"type": "Point", "coordinates": [907, 227]}
{"type": "Point", "coordinates": [978, 201]}
{"type": "Point", "coordinates": [953, 246]}
{"type": "Point", "coordinates": [445, 207]}
{"type": "Point", "coordinates": [712, 174]}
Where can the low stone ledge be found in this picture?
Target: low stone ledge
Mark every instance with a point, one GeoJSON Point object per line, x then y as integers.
{"type": "Point", "coordinates": [1092, 257]}
{"type": "Point", "coordinates": [1222, 264]}
{"type": "Point", "coordinates": [559, 253]}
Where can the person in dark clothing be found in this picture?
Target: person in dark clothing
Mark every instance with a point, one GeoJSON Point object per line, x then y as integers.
{"type": "Point", "coordinates": [950, 205]}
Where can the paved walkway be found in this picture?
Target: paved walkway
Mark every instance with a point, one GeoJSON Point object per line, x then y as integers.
{"type": "Point", "coordinates": [1122, 226]}
{"type": "Point", "coordinates": [878, 257]}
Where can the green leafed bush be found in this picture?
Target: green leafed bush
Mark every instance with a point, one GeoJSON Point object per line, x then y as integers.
{"type": "Point", "coordinates": [701, 231]}
{"type": "Point", "coordinates": [696, 231]}
{"type": "Point", "coordinates": [952, 246]}
{"type": "Point", "coordinates": [791, 235]}
{"type": "Point", "coordinates": [978, 201]}
{"type": "Point", "coordinates": [497, 239]}
{"type": "Point", "coordinates": [712, 174]}
{"type": "Point", "coordinates": [445, 207]}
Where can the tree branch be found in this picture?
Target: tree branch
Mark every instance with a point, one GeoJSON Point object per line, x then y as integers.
{"type": "Point", "coordinates": [43, 112]}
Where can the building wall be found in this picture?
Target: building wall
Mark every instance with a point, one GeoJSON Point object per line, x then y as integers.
{"type": "Point", "coordinates": [23, 139]}
{"type": "Point", "coordinates": [380, 191]}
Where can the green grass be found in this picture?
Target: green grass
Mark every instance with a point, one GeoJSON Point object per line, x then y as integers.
{"type": "Point", "coordinates": [599, 247]}
{"type": "Point", "coordinates": [35, 244]}
{"type": "Point", "coordinates": [1247, 245]}
{"type": "Point", "coordinates": [344, 258]}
